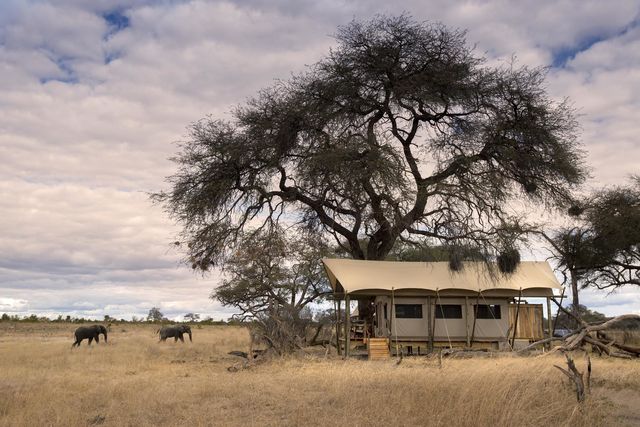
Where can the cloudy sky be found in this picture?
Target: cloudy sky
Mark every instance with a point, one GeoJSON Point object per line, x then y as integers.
{"type": "Point", "coordinates": [94, 95]}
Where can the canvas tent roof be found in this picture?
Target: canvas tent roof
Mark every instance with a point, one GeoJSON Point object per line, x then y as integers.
{"type": "Point", "coordinates": [368, 277]}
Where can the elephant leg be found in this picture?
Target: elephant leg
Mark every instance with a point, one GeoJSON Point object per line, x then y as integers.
{"type": "Point", "coordinates": [90, 340]}
{"type": "Point", "coordinates": [181, 337]}
{"type": "Point", "coordinates": [175, 338]}
{"type": "Point", "coordinates": [97, 338]}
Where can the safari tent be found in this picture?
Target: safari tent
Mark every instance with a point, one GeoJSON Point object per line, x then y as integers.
{"type": "Point", "coordinates": [424, 305]}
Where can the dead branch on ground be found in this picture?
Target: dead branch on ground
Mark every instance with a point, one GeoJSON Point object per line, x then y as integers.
{"type": "Point", "coordinates": [577, 377]}
{"type": "Point", "coordinates": [592, 333]}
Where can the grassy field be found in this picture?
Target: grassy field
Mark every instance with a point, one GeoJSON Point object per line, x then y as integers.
{"type": "Point", "coordinates": [136, 381]}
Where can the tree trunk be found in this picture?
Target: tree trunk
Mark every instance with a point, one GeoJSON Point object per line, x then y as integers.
{"type": "Point", "coordinates": [574, 295]}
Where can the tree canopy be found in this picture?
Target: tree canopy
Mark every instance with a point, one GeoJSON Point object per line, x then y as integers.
{"type": "Point", "coordinates": [613, 218]}
{"type": "Point", "coordinates": [155, 315]}
{"type": "Point", "coordinates": [272, 279]}
{"type": "Point", "coordinates": [273, 271]}
{"type": "Point", "coordinates": [602, 248]}
{"type": "Point", "coordinates": [402, 132]}
{"type": "Point", "coordinates": [191, 317]}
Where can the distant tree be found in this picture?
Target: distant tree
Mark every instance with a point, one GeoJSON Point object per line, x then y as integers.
{"type": "Point", "coordinates": [192, 317]}
{"type": "Point", "coordinates": [135, 319]}
{"type": "Point", "coordinates": [590, 316]}
{"type": "Point", "coordinates": [272, 279]}
{"type": "Point", "coordinates": [5, 317]}
{"type": "Point", "coordinates": [613, 216]}
{"type": "Point", "coordinates": [108, 318]}
{"type": "Point", "coordinates": [602, 249]}
{"type": "Point", "coordinates": [401, 133]}
{"type": "Point", "coordinates": [31, 318]}
{"type": "Point", "coordinates": [155, 315]}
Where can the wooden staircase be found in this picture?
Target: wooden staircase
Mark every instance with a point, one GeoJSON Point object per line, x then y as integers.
{"type": "Point", "coordinates": [378, 348]}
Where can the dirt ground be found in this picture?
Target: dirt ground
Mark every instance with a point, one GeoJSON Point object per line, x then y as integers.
{"type": "Point", "coordinates": [136, 381]}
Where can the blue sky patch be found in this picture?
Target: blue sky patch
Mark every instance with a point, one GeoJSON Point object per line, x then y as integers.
{"type": "Point", "coordinates": [69, 75]}
{"type": "Point", "coordinates": [563, 55]}
{"type": "Point", "coordinates": [111, 56]}
{"type": "Point", "coordinates": [66, 79]}
{"type": "Point", "coordinates": [117, 21]}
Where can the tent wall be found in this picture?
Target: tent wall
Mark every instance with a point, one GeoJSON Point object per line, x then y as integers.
{"type": "Point", "coordinates": [445, 329]}
{"type": "Point", "coordinates": [410, 327]}
{"type": "Point", "coordinates": [494, 329]}
{"type": "Point", "coordinates": [454, 329]}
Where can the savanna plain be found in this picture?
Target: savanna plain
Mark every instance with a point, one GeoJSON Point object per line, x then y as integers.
{"type": "Point", "coordinates": [136, 381]}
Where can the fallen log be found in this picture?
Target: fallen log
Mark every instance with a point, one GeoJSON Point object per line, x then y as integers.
{"type": "Point", "coordinates": [536, 344]}
{"type": "Point", "coordinates": [624, 347]}
{"type": "Point", "coordinates": [627, 348]}
{"type": "Point", "coordinates": [578, 338]}
{"type": "Point", "coordinates": [599, 345]}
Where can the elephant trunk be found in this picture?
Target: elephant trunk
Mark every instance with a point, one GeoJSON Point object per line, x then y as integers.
{"type": "Point", "coordinates": [189, 332]}
{"type": "Point", "coordinates": [105, 335]}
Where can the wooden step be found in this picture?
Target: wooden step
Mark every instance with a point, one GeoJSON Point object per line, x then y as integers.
{"type": "Point", "coordinates": [378, 348]}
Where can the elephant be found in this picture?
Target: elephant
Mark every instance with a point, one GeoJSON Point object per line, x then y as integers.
{"type": "Point", "coordinates": [89, 332]}
{"type": "Point", "coordinates": [175, 331]}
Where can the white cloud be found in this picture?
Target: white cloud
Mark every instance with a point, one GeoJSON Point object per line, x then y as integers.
{"type": "Point", "coordinates": [89, 112]}
{"type": "Point", "coordinates": [13, 304]}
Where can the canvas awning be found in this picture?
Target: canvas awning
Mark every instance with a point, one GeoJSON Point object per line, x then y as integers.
{"type": "Point", "coordinates": [351, 276]}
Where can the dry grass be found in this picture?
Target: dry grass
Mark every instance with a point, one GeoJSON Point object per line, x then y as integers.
{"type": "Point", "coordinates": [134, 381]}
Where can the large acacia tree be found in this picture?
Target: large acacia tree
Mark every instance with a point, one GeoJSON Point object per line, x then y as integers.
{"type": "Point", "coordinates": [402, 132]}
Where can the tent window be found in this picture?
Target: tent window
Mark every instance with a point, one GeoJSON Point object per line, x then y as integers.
{"type": "Point", "coordinates": [408, 311]}
{"type": "Point", "coordinates": [488, 311]}
{"type": "Point", "coordinates": [448, 311]}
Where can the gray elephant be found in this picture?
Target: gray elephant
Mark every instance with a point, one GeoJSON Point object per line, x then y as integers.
{"type": "Point", "coordinates": [175, 331]}
{"type": "Point", "coordinates": [91, 333]}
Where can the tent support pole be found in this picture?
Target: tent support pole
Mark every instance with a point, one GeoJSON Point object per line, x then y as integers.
{"type": "Point", "coordinates": [429, 330]}
{"type": "Point", "coordinates": [515, 323]}
{"type": "Point", "coordinates": [338, 317]}
{"type": "Point", "coordinates": [555, 321]}
{"type": "Point", "coordinates": [393, 316]}
{"type": "Point", "coordinates": [549, 321]}
{"type": "Point", "coordinates": [466, 320]}
{"type": "Point", "coordinates": [433, 327]}
{"type": "Point", "coordinates": [475, 316]}
{"type": "Point", "coordinates": [347, 325]}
